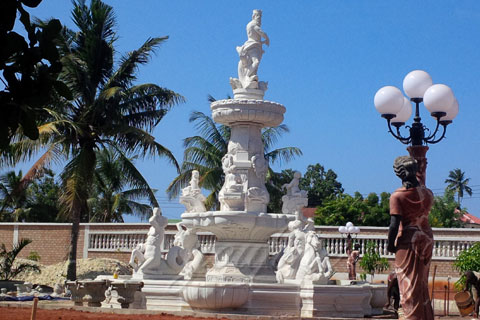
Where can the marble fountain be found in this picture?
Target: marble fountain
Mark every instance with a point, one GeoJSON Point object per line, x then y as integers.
{"type": "Point", "coordinates": [244, 279]}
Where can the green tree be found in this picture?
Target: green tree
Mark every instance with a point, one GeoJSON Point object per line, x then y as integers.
{"type": "Point", "coordinates": [28, 71]}
{"type": "Point", "coordinates": [117, 187]}
{"type": "Point", "coordinates": [372, 262]}
{"type": "Point", "coordinates": [378, 210]}
{"type": "Point", "coordinates": [320, 184]}
{"type": "Point", "coordinates": [42, 199]}
{"type": "Point", "coordinates": [205, 151]}
{"type": "Point", "coordinates": [444, 212]}
{"type": "Point", "coordinates": [13, 196]}
{"type": "Point", "coordinates": [340, 210]}
{"type": "Point", "coordinates": [458, 184]}
{"type": "Point", "coordinates": [107, 110]}
{"type": "Point", "coordinates": [372, 211]}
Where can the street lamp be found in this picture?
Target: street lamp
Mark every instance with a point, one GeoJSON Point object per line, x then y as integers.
{"type": "Point", "coordinates": [347, 231]}
{"type": "Point", "coordinates": [397, 109]}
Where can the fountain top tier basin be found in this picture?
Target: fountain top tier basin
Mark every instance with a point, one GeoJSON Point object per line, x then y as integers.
{"type": "Point", "coordinates": [261, 112]}
{"type": "Point", "coordinates": [238, 225]}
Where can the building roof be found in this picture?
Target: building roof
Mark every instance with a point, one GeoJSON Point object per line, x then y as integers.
{"type": "Point", "coordinates": [469, 218]}
{"type": "Point", "coordinates": [308, 212]}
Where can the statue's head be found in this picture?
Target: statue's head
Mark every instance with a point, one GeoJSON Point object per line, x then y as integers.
{"type": "Point", "coordinates": [405, 168]}
{"type": "Point", "coordinates": [157, 211]}
{"type": "Point", "coordinates": [257, 15]}
{"type": "Point", "coordinates": [195, 174]}
{"type": "Point", "coordinates": [297, 175]}
{"type": "Point", "coordinates": [299, 242]}
{"type": "Point", "coordinates": [295, 225]}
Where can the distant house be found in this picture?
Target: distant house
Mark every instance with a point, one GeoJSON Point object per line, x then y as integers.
{"type": "Point", "coordinates": [470, 220]}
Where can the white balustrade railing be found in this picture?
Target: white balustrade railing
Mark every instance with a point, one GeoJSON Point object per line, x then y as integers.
{"type": "Point", "coordinates": [445, 248]}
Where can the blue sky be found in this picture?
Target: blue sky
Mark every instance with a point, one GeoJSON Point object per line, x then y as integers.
{"type": "Point", "coordinates": [325, 62]}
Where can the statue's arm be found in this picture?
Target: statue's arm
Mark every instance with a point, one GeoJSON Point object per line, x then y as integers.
{"type": "Point", "coordinates": [393, 231]}
{"type": "Point", "coordinates": [263, 34]}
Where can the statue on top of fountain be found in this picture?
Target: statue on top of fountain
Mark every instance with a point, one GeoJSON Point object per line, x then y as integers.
{"type": "Point", "coordinates": [247, 84]}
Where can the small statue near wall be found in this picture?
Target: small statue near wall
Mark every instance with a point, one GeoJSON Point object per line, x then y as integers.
{"type": "Point", "coordinates": [353, 256]}
{"type": "Point", "coordinates": [192, 197]}
{"type": "Point", "coordinates": [295, 199]}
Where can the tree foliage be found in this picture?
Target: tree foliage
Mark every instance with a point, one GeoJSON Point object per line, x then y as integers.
{"type": "Point", "coordinates": [275, 181]}
{"type": "Point", "coordinates": [29, 70]}
{"type": "Point", "coordinates": [321, 184]}
{"type": "Point", "coordinates": [117, 187]}
{"type": "Point", "coordinates": [372, 211]}
{"type": "Point", "coordinates": [108, 109]}
{"type": "Point", "coordinates": [444, 212]}
{"type": "Point", "coordinates": [467, 260]}
{"type": "Point", "coordinates": [8, 269]}
{"type": "Point", "coordinates": [458, 184]}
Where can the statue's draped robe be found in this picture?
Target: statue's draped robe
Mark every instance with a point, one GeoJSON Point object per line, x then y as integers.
{"type": "Point", "coordinates": [414, 250]}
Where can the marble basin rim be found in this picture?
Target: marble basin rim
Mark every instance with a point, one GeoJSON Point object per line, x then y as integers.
{"type": "Point", "coordinates": [238, 225]}
{"type": "Point", "coordinates": [261, 112]}
{"type": "Point", "coordinates": [213, 295]}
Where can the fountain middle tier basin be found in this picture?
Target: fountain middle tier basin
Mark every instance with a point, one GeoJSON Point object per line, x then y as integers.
{"type": "Point", "coordinates": [238, 225]}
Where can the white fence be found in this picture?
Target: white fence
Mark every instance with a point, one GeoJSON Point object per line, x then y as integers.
{"type": "Point", "coordinates": [445, 247]}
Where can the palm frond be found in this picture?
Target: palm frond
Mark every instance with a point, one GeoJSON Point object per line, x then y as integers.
{"type": "Point", "coordinates": [129, 64]}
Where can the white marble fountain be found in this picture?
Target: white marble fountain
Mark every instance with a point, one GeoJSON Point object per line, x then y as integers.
{"type": "Point", "coordinates": [244, 279]}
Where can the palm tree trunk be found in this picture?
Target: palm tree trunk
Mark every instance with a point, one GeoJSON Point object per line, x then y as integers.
{"type": "Point", "coordinates": [72, 256]}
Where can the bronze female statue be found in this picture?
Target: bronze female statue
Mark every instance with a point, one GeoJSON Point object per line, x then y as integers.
{"type": "Point", "coordinates": [410, 238]}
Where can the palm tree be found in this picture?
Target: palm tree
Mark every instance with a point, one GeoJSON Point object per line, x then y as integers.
{"type": "Point", "coordinates": [204, 153]}
{"type": "Point", "coordinates": [458, 184]}
{"type": "Point", "coordinates": [110, 200]}
{"type": "Point", "coordinates": [107, 110]}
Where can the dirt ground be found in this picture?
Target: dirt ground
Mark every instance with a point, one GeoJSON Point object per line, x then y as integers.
{"type": "Point", "coordinates": [67, 314]}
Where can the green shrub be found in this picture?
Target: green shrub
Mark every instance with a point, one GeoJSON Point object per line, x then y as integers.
{"type": "Point", "coordinates": [8, 270]}
{"type": "Point", "coordinates": [371, 261]}
{"type": "Point", "coordinates": [467, 260]}
{"type": "Point", "coordinates": [34, 256]}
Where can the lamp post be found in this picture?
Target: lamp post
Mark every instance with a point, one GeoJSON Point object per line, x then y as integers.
{"type": "Point", "coordinates": [397, 109]}
{"type": "Point", "coordinates": [347, 231]}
